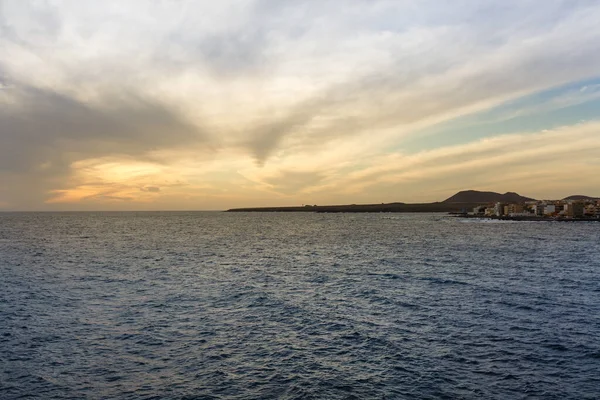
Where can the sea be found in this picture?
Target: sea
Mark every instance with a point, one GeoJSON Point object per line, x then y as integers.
{"type": "Point", "coordinates": [215, 305]}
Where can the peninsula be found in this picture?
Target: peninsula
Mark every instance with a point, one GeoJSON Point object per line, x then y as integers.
{"type": "Point", "coordinates": [461, 202]}
{"type": "Point", "coordinates": [366, 208]}
{"type": "Point", "coordinates": [471, 203]}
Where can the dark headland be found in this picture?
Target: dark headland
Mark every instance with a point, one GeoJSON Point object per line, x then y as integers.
{"type": "Point", "coordinates": [462, 201]}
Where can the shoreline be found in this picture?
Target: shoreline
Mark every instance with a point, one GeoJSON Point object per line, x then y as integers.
{"type": "Point", "coordinates": [526, 218]}
{"type": "Point", "coordinates": [368, 208]}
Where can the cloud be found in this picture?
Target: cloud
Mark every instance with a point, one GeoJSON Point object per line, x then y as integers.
{"type": "Point", "coordinates": [39, 123]}
{"type": "Point", "coordinates": [151, 189]}
{"type": "Point", "coordinates": [102, 196]}
{"type": "Point", "coordinates": [540, 164]}
{"type": "Point", "coordinates": [311, 92]}
{"type": "Point", "coordinates": [396, 95]}
{"type": "Point", "coordinates": [514, 160]}
{"type": "Point", "coordinates": [44, 133]}
{"type": "Point", "coordinates": [293, 182]}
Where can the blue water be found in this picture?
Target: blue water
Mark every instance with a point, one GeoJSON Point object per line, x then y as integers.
{"type": "Point", "coordinates": [297, 306]}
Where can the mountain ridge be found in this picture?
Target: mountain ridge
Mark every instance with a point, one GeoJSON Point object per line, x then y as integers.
{"type": "Point", "coordinates": [581, 197]}
{"type": "Point", "coordinates": [476, 196]}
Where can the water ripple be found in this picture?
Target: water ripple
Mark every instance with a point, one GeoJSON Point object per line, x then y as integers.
{"type": "Point", "coordinates": [296, 306]}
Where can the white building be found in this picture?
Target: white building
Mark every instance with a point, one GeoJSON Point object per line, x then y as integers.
{"type": "Point", "coordinates": [499, 209]}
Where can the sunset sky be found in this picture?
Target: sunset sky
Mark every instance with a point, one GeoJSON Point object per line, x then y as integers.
{"type": "Point", "coordinates": [200, 105]}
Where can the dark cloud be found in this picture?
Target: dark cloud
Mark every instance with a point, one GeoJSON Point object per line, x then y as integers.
{"type": "Point", "coordinates": [44, 126]}
{"type": "Point", "coordinates": [151, 189]}
{"type": "Point", "coordinates": [43, 132]}
{"type": "Point", "coordinates": [265, 138]}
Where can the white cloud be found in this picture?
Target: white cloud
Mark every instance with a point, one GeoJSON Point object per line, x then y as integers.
{"type": "Point", "coordinates": [310, 90]}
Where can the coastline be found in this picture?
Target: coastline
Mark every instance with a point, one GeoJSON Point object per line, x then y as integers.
{"type": "Point", "coordinates": [368, 208]}
{"type": "Point", "coordinates": [509, 206]}
{"type": "Point", "coordinates": [526, 218]}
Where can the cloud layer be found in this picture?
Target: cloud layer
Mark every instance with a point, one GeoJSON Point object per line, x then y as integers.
{"type": "Point", "coordinates": [183, 104]}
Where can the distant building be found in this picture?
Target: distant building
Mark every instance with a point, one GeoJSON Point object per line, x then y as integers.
{"type": "Point", "coordinates": [515, 209]}
{"type": "Point", "coordinates": [549, 209]}
{"type": "Point", "coordinates": [590, 210]}
{"type": "Point", "coordinates": [574, 209]}
{"type": "Point", "coordinates": [499, 209]}
{"type": "Point", "coordinates": [479, 210]}
{"type": "Point", "coordinates": [538, 209]}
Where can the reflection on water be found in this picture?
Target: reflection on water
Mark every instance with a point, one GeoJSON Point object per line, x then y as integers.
{"type": "Point", "coordinates": [340, 306]}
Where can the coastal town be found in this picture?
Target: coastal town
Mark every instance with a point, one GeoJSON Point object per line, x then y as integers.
{"type": "Point", "coordinates": [568, 209]}
{"type": "Point", "coordinates": [470, 204]}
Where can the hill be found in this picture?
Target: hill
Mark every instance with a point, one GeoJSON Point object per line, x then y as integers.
{"type": "Point", "coordinates": [475, 196]}
{"type": "Point", "coordinates": [581, 197]}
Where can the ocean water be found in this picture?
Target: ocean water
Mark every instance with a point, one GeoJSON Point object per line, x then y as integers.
{"type": "Point", "coordinates": [297, 306]}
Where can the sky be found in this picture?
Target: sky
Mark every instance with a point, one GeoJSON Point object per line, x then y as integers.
{"type": "Point", "coordinates": [201, 105]}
